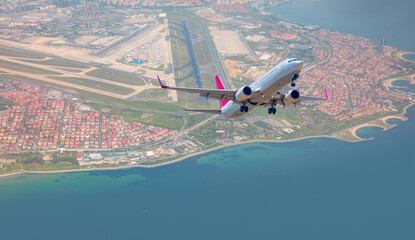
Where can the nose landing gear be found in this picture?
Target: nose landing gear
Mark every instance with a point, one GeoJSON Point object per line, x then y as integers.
{"type": "Point", "coordinates": [293, 78]}
{"type": "Point", "coordinates": [243, 109]}
{"type": "Point", "coordinates": [272, 110]}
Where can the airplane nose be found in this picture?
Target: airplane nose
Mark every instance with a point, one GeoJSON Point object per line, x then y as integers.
{"type": "Point", "coordinates": [298, 65]}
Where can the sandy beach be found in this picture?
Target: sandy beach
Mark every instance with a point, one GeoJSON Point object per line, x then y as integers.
{"type": "Point", "coordinates": [410, 78]}
{"type": "Point", "coordinates": [389, 82]}
{"type": "Point", "coordinates": [400, 55]}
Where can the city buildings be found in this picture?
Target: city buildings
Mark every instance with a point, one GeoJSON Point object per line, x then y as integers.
{"type": "Point", "coordinates": [41, 119]}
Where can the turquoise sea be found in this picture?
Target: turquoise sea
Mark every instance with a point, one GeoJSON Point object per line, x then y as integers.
{"type": "Point", "coordinates": [311, 189]}
{"type": "Point", "coordinates": [372, 19]}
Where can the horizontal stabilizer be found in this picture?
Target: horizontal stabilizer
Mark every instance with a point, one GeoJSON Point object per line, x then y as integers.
{"type": "Point", "coordinates": [204, 111]}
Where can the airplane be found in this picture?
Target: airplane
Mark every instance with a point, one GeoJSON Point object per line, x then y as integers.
{"type": "Point", "coordinates": [263, 92]}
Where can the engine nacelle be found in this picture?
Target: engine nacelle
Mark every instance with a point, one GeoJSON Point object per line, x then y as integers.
{"type": "Point", "coordinates": [292, 97]}
{"type": "Point", "coordinates": [243, 93]}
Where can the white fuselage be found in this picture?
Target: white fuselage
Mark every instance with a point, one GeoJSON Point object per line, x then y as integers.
{"type": "Point", "coordinates": [265, 87]}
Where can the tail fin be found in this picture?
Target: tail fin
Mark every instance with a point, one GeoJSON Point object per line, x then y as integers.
{"type": "Point", "coordinates": [219, 85]}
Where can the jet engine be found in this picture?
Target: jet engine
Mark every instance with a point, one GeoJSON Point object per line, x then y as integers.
{"type": "Point", "coordinates": [243, 93]}
{"type": "Point", "coordinates": [292, 97]}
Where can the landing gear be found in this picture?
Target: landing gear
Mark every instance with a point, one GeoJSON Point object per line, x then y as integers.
{"type": "Point", "coordinates": [293, 78]}
{"type": "Point", "coordinates": [243, 109]}
{"type": "Point", "coordinates": [272, 110]}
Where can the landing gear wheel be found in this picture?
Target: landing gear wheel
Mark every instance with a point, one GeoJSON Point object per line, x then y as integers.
{"type": "Point", "coordinates": [242, 108]}
{"type": "Point", "coordinates": [274, 111]}
{"type": "Point", "coordinates": [293, 84]}
{"type": "Point", "coordinates": [246, 108]}
{"type": "Point", "coordinates": [269, 110]}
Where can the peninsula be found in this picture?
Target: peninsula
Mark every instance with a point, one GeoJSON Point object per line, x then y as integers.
{"type": "Point", "coordinates": [78, 92]}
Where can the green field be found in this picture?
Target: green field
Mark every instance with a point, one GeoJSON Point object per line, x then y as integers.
{"type": "Point", "coordinates": [193, 119]}
{"type": "Point", "coordinates": [183, 72]}
{"type": "Point", "coordinates": [213, 69]}
{"type": "Point", "coordinates": [97, 85]}
{"type": "Point", "coordinates": [11, 53]}
{"type": "Point", "coordinates": [150, 105]}
{"type": "Point", "coordinates": [5, 101]}
{"type": "Point", "coordinates": [155, 82]}
{"type": "Point", "coordinates": [36, 81]}
{"type": "Point", "coordinates": [208, 81]}
{"type": "Point", "coordinates": [179, 52]}
{"type": "Point", "coordinates": [188, 82]}
{"type": "Point", "coordinates": [170, 121]}
{"type": "Point", "coordinates": [212, 104]}
{"type": "Point", "coordinates": [117, 77]}
{"type": "Point", "coordinates": [202, 52]}
{"type": "Point", "coordinates": [98, 106]}
{"type": "Point", "coordinates": [174, 32]}
{"type": "Point", "coordinates": [153, 93]}
{"type": "Point", "coordinates": [51, 167]}
{"type": "Point", "coordinates": [192, 25]}
{"type": "Point", "coordinates": [57, 63]}
{"type": "Point", "coordinates": [70, 69]}
{"type": "Point", "coordinates": [288, 113]}
{"type": "Point", "coordinates": [24, 68]}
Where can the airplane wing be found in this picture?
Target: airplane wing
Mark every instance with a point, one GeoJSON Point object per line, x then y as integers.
{"type": "Point", "coordinates": [279, 98]}
{"type": "Point", "coordinates": [316, 98]}
{"type": "Point", "coordinates": [219, 94]}
{"type": "Point", "coordinates": [204, 111]}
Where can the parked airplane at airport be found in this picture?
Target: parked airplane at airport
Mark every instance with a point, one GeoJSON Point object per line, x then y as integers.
{"type": "Point", "coordinates": [264, 92]}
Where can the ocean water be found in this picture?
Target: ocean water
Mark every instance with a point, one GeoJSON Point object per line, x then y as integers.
{"type": "Point", "coordinates": [410, 57]}
{"type": "Point", "coordinates": [371, 19]}
{"type": "Point", "coordinates": [310, 189]}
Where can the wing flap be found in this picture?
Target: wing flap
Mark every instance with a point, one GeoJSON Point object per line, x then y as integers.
{"type": "Point", "coordinates": [312, 98]}
{"type": "Point", "coordinates": [204, 111]}
{"type": "Point", "coordinates": [316, 98]}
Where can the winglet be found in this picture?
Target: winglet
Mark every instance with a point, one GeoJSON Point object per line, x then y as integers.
{"type": "Point", "coordinates": [325, 92]}
{"type": "Point", "coordinates": [161, 84]}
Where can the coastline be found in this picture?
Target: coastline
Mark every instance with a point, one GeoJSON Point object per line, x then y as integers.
{"type": "Point", "coordinates": [401, 53]}
{"type": "Point", "coordinates": [410, 77]}
{"type": "Point", "coordinates": [165, 163]}
{"type": "Point", "coordinates": [380, 122]}
{"type": "Point", "coordinates": [389, 82]}
{"type": "Point", "coordinates": [348, 135]}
